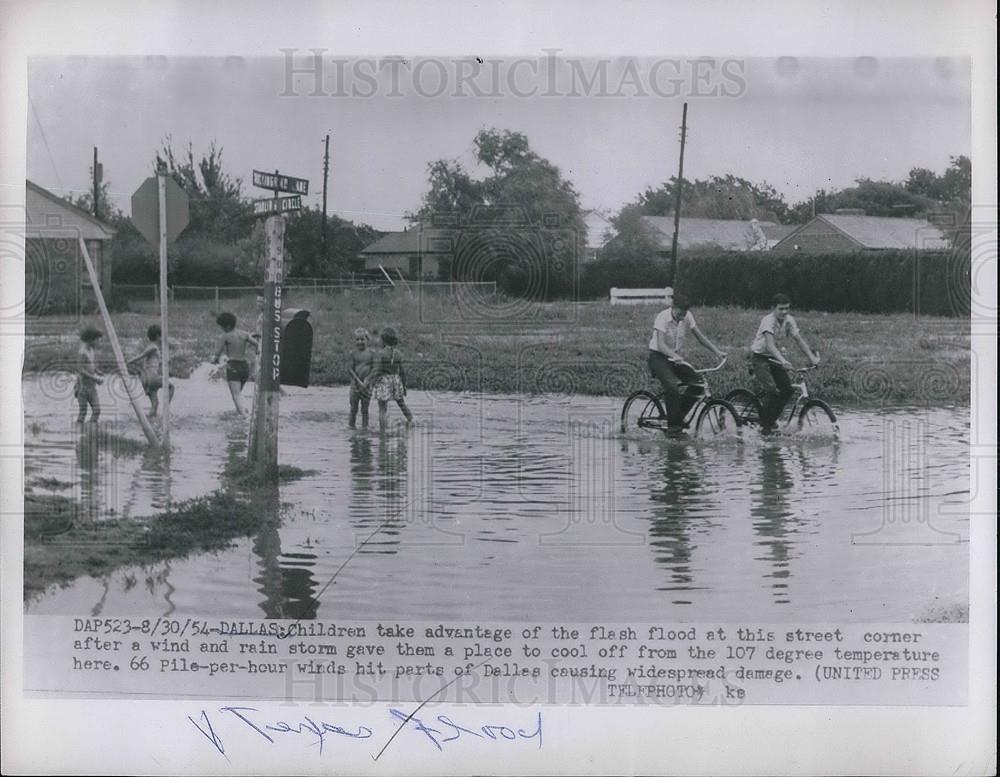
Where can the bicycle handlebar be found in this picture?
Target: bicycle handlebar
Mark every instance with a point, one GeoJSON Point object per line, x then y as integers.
{"type": "Point", "coordinates": [716, 368]}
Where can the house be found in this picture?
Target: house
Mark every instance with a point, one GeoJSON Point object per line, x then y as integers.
{"type": "Point", "coordinates": [55, 276]}
{"type": "Point", "coordinates": [414, 252]}
{"type": "Point", "coordinates": [722, 234]}
{"type": "Point", "coordinates": [599, 232]}
{"type": "Point", "coordinates": [852, 230]}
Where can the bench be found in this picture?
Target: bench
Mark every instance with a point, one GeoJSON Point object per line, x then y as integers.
{"type": "Point", "coordinates": [641, 296]}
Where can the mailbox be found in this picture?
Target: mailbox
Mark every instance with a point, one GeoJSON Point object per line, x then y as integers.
{"type": "Point", "coordinates": [296, 347]}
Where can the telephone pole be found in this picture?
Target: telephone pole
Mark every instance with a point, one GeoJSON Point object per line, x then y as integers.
{"type": "Point", "coordinates": [677, 199]}
{"type": "Point", "coordinates": [97, 182]}
{"type": "Point", "coordinates": [326, 172]}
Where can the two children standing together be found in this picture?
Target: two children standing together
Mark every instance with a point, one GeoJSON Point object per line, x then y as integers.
{"type": "Point", "coordinates": [378, 372]}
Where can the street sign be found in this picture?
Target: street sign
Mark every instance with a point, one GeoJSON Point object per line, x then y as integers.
{"type": "Point", "coordinates": [274, 205]}
{"type": "Point", "coordinates": [146, 210]}
{"type": "Point", "coordinates": [280, 183]}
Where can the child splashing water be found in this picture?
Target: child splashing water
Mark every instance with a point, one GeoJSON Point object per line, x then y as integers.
{"type": "Point", "coordinates": [151, 370]}
{"type": "Point", "coordinates": [388, 379]}
{"type": "Point", "coordinates": [234, 343]}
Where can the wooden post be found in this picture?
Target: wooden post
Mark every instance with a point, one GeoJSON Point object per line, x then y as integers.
{"type": "Point", "coordinates": [264, 452]}
{"type": "Point", "coordinates": [161, 177]}
{"type": "Point", "coordinates": [216, 300]}
{"type": "Point", "coordinates": [115, 346]}
{"type": "Point", "coordinates": [677, 200]}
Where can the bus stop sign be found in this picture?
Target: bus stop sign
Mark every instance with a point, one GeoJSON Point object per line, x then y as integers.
{"type": "Point", "coordinates": [146, 210]}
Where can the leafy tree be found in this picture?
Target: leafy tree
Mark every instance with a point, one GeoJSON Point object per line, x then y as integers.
{"type": "Point", "coordinates": [875, 198]}
{"type": "Point", "coordinates": [536, 255]}
{"type": "Point", "coordinates": [955, 185]}
{"type": "Point", "coordinates": [217, 210]}
{"type": "Point", "coordinates": [716, 197]}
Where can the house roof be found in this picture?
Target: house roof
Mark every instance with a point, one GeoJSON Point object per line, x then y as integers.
{"type": "Point", "coordinates": [887, 231]}
{"type": "Point", "coordinates": [599, 228]}
{"type": "Point", "coordinates": [728, 234]}
{"type": "Point", "coordinates": [881, 232]}
{"type": "Point", "coordinates": [41, 217]}
{"type": "Point", "coordinates": [406, 242]}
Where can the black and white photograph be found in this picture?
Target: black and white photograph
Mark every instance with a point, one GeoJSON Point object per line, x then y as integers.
{"type": "Point", "coordinates": [357, 390]}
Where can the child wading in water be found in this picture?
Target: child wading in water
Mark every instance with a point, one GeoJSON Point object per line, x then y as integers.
{"type": "Point", "coordinates": [388, 380]}
{"type": "Point", "coordinates": [87, 375]}
{"type": "Point", "coordinates": [362, 364]}
{"type": "Point", "coordinates": [234, 344]}
{"type": "Point", "coordinates": [151, 370]}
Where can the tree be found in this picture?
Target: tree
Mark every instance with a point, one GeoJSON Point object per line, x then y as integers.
{"type": "Point", "coordinates": [535, 255]}
{"type": "Point", "coordinates": [716, 197]}
{"type": "Point", "coordinates": [217, 210]}
{"type": "Point", "coordinates": [875, 198]}
{"type": "Point", "coordinates": [955, 185]}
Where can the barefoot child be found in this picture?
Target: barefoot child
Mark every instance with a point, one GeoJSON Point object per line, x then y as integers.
{"type": "Point", "coordinates": [362, 364]}
{"type": "Point", "coordinates": [151, 370]}
{"type": "Point", "coordinates": [88, 376]}
{"type": "Point", "coordinates": [388, 380]}
{"type": "Point", "coordinates": [234, 343]}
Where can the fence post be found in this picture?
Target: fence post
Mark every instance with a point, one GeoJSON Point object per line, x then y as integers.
{"type": "Point", "coordinates": [216, 300]}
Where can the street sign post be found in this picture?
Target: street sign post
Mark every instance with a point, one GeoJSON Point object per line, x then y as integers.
{"type": "Point", "coordinates": [263, 444]}
{"type": "Point", "coordinates": [160, 213]}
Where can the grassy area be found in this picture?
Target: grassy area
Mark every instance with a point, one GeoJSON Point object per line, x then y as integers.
{"type": "Point", "coordinates": [587, 348]}
{"type": "Point", "coordinates": [61, 545]}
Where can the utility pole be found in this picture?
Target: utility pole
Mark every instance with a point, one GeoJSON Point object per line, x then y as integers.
{"type": "Point", "coordinates": [677, 199]}
{"type": "Point", "coordinates": [97, 182]}
{"type": "Point", "coordinates": [326, 172]}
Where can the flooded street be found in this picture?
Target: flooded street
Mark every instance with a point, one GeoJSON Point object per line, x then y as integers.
{"type": "Point", "coordinates": [522, 508]}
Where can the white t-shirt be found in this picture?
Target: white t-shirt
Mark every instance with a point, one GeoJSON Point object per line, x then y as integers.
{"type": "Point", "coordinates": [770, 324]}
{"type": "Point", "coordinates": [675, 331]}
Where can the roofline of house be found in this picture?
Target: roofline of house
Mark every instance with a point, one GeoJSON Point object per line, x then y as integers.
{"type": "Point", "coordinates": [68, 205]}
{"type": "Point", "coordinates": [800, 227]}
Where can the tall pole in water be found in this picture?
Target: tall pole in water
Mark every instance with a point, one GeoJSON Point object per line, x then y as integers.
{"type": "Point", "coordinates": [677, 200]}
{"type": "Point", "coordinates": [326, 172]}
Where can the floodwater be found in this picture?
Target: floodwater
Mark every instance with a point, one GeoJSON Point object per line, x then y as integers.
{"type": "Point", "coordinates": [522, 508]}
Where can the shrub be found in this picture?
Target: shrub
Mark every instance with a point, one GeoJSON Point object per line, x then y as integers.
{"type": "Point", "coordinates": [929, 283]}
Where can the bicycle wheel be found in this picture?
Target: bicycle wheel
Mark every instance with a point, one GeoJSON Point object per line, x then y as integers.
{"type": "Point", "coordinates": [718, 420]}
{"type": "Point", "coordinates": [643, 415]}
{"type": "Point", "coordinates": [747, 405]}
{"type": "Point", "coordinates": [817, 420]}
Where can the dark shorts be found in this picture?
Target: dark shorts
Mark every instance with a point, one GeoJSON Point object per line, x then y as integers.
{"type": "Point", "coordinates": [86, 391]}
{"type": "Point", "coordinates": [237, 370]}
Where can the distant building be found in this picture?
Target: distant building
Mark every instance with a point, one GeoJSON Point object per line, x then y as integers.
{"type": "Point", "coordinates": [722, 234]}
{"type": "Point", "coordinates": [600, 230]}
{"type": "Point", "coordinates": [402, 251]}
{"type": "Point", "coordinates": [850, 231]}
{"type": "Point", "coordinates": [56, 278]}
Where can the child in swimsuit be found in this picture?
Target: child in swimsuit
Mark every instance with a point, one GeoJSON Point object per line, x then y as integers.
{"type": "Point", "coordinates": [234, 343]}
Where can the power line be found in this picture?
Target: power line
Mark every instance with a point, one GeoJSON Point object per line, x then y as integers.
{"type": "Point", "coordinates": [41, 131]}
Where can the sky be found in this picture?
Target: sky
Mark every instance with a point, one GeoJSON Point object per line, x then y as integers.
{"type": "Point", "coordinates": [612, 126]}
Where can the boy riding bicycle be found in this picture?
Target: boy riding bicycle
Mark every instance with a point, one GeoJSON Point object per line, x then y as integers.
{"type": "Point", "coordinates": [768, 363]}
{"type": "Point", "coordinates": [681, 384]}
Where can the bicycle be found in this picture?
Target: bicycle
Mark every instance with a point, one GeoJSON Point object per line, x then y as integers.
{"type": "Point", "coordinates": [713, 418]}
{"type": "Point", "coordinates": [814, 417]}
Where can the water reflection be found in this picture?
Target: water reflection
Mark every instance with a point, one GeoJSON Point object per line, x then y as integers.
{"type": "Point", "coordinates": [675, 493]}
{"type": "Point", "coordinates": [477, 491]}
{"type": "Point", "coordinates": [774, 521]}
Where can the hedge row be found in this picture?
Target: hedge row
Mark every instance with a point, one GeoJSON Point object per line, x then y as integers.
{"type": "Point", "coordinates": [928, 283]}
